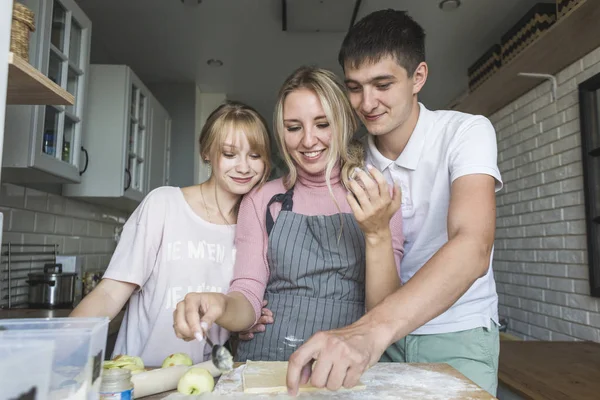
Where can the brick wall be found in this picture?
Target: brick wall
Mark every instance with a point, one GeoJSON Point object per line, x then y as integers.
{"type": "Point", "coordinates": [35, 217]}
{"type": "Point", "coordinates": [540, 262]}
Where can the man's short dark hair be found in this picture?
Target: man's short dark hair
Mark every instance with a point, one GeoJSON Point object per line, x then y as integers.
{"type": "Point", "coordinates": [384, 33]}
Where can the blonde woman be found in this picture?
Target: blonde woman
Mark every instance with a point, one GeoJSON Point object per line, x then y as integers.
{"type": "Point", "coordinates": [182, 240]}
{"type": "Point", "coordinates": [299, 240]}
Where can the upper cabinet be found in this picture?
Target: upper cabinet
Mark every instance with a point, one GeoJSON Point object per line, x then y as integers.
{"type": "Point", "coordinates": [160, 146]}
{"type": "Point", "coordinates": [125, 129]}
{"type": "Point", "coordinates": [43, 144]}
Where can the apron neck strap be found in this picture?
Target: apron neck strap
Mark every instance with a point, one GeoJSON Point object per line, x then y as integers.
{"type": "Point", "coordinates": [287, 202]}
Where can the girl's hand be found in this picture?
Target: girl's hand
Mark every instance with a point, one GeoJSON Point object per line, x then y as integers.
{"type": "Point", "coordinates": [196, 313]}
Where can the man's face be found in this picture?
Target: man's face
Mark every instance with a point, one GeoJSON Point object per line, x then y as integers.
{"type": "Point", "coordinates": [382, 94]}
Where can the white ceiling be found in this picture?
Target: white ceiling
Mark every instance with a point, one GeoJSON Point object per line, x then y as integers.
{"type": "Point", "coordinates": [167, 41]}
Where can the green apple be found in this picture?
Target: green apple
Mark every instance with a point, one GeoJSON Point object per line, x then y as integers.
{"type": "Point", "coordinates": [196, 381]}
{"type": "Point", "coordinates": [177, 359]}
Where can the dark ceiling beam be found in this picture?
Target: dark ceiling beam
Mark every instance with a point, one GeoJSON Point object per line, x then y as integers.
{"type": "Point", "coordinates": [355, 12]}
{"type": "Point", "coordinates": [284, 15]}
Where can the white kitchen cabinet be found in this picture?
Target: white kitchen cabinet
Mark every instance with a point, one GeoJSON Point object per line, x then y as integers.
{"type": "Point", "coordinates": [120, 117]}
{"type": "Point", "coordinates": [160, 146]}
{"type": "Point", "coordinates": [42, 144]}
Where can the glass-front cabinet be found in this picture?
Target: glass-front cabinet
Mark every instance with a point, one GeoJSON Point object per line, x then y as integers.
{"type": "Point", "coordinates": [160, 143]}
{"type": "Point", "coordinates": [137, 139]}
{"type": "Point", "coordinates": [119, 133]}
{"type": "Point", "coordinates": [44, 143]}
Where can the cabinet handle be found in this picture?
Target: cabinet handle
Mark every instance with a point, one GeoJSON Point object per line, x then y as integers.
{"type": "Point", "coordinates": [87, 160]}
{"type": "Point", "coordinates": [128, 178]}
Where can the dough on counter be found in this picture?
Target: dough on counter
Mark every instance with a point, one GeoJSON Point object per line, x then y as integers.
{"type": "Point", "coordinates": [269, 377]}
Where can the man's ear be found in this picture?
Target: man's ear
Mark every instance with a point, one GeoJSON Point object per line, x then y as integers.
{"type": "Point", "coordinates": [420, 77]}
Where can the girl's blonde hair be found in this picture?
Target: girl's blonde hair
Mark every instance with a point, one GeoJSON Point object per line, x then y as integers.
{"type": "Point", "coordinates": [234, 116]}
{"type": "Point", "coordinates": [340, 115]}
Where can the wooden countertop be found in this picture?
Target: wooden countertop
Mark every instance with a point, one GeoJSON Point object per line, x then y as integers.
{"type": "Point", "coordinates": [113, 326]}
{"type": "Point", "coordinates": [405, 380]}
{"type": "Point", "coordinates": [551, 370]}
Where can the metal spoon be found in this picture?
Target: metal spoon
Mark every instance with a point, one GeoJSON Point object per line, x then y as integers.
{"type": "Point", "coordinates": [220, 356]}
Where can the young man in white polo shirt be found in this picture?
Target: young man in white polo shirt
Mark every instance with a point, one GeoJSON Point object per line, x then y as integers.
{"type": "Point", "coordinates": [445, 163]}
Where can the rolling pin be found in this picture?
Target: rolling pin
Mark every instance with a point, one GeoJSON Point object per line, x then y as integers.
{"type": "Point", "coordinates": [165, 379]}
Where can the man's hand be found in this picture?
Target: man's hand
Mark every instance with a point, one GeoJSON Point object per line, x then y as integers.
{"type": "Point", "coordinates": [373, 206]}
{"type": "Point", "coordinates": [340, 356]}
{"type": "Point", "coordinates": [266, 317]}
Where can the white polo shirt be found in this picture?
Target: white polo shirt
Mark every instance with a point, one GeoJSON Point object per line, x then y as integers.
{"type": "Point", "coordinates": [444, 146]}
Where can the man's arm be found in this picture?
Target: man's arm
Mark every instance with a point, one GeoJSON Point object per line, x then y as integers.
{"type": "Point", "coordinates": [430, 292]}
{"type": "Point", "coordinates": [456, 265]}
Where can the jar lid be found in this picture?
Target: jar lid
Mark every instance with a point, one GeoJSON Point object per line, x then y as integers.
{"type": "Point", "coordinates": [116, 374]}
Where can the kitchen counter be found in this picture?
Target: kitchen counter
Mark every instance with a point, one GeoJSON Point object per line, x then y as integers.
{"type": "Point", "coordinates": [113, 326]}
{"type": "Point", "coordinates": [550, 370]}
{"type": "Point", "coordinates": [384, 380]}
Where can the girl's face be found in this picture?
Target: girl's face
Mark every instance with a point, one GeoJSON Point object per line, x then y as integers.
{"type": "Point", "coordinates": [307, 133]}
{"type": "Point", "coordinates": [238, 168]}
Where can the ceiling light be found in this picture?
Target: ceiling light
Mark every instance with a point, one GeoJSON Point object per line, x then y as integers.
{"type": "Point", "coordinates": [191, 3]}
{"type": "Point", "coordinates": [449, 5]}
{"type": "Point", "coordinates": [215, 63]}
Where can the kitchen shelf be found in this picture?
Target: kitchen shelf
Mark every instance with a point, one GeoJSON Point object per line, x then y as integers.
{"type": "Point", "coordinates": [568, 40]}
{"type": "Point", "coordinates": [27, 85]}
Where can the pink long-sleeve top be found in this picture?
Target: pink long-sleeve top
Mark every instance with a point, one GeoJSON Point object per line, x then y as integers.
{"type": "Point", "coordinates": [311, 197]}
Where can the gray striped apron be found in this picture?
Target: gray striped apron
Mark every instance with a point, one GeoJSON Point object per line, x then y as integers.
{"type": "Point", "coordinates": [316, 282]}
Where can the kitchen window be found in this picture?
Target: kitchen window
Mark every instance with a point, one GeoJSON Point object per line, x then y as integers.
{"type": "Point", "coordinates": [589, 106]}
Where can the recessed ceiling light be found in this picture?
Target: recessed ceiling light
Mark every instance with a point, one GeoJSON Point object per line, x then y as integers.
{"type": "Point", "coordinates": [214, 62]}
{"type": "Point", "coordinates": [449, 5]}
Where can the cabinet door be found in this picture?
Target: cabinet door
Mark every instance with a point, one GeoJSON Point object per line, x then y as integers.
{"type": "Point", "coordinates": [159, 146]}
{"type": "Point", "coordinates": [66, 45]}
{"type": "Point", "coordinates": [137, 138]}
{"type": "Point", "coordinates": [45, 141]}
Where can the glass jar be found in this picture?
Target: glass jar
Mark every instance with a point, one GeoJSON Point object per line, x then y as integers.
{"type": "Point", "coordinates": [116, 385]}
{"type": "Point", "coordinates": [66, 153]}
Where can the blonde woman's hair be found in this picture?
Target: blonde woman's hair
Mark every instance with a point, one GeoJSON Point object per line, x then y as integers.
{"type": "Point", "coordinates": [234, 116]}
{"type": "Point", "coordinates": [340, 115]}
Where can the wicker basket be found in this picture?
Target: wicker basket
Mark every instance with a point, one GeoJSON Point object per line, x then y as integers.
{"type": "Point", "coordinates": [533, 24]}
{"type": "Point", "coordinates": [23, 23]}
{"type": "Point", "coordinates": [564, 6]}
{"type": "Point", "coordinates": [485, 66]}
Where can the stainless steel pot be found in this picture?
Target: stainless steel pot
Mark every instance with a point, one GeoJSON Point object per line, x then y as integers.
{"type": "Point", "coordinates": [52, 288]}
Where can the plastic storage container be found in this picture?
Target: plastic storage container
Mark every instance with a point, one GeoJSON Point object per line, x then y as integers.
{"type": "Point", "coordinates": [25, 368]}
{"type": "Point", "coordinates": [79, 345]}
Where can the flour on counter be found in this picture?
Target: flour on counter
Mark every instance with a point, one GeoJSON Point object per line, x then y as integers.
{"type": "Point", "coordinates": [383, 381]}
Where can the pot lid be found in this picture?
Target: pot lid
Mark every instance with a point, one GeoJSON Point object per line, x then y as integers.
{"type": "Point", "coordinates": [51, 271]}
{"type": "Point", "coordinates": [46, 275]}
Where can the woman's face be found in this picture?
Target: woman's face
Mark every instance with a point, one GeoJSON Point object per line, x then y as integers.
{"type": "Point", "coordinates": [238, 168]}
{"type": "Point", "coordinates": [307, 133]}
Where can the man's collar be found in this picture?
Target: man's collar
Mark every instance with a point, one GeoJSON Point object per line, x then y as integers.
{"type": "Point", "coordinates": [410, 156]}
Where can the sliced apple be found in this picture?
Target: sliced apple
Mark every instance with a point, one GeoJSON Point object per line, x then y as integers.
{"type": "Point", "coordinates": [132, 363]}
